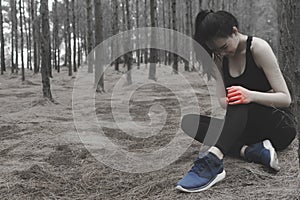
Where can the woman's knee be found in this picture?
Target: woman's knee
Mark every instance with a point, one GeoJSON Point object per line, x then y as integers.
{"type": "Point", "coordinates": [283, 142]}
{"type": "Point", "coordinates": [190, 124]}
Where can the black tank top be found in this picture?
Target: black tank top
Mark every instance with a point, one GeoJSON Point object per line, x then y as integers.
{"type": "Point", "coordinates": [253, 78]}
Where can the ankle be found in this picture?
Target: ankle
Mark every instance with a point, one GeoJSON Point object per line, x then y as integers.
{"type": "Point", "coordinates": [216, 152]}
{"type": "Point", "coordinates": [242, 152]}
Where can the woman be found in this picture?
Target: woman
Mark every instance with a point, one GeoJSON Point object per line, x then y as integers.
{"type": "Point", "coordinates": [257, 122]}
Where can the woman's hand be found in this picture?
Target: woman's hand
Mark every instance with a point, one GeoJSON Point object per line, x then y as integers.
{"type": "Point", "coordinates": [238, 95]}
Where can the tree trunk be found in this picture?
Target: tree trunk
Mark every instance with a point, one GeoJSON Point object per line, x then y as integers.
{"type": "Point", "coordinates": [98, 39]}
{"type": "Point", "coordinates": [165, 34]}
{"type": "Point", "coordinates": [128, 56]}
{"type": "Point", "coordinates": [28, 34]}
{"type": "Point", "coordinates": [153, 52]}
{"type": "Point", "coordinates": [146, 37]}
{"type": "Point", "coordinates": [188, 30]}
{"type": "Point", "coordinates": [174, 26]}
{"type": "Point", "coordinates": [288, 17]}
{"type": "Point", "coordinates": [12, 36]}
{"type": "Point", "coordinates": [89, 35]}
{"type": "Point", "coordinates": [79, 48]}
{"type": "Point", "coordinates": [58, 57]}
{"type": "Point", "coordinates": [296, 39]}
{"type": "Point", "coordinates": [170, 54]}
{"type": "Point", "coordinates": [16, 37]}
{"type": "Point", "coordinates": [66, 43]}
{"type": "Point", "coordinates": [137, 16]}
{"type": "Point", "coordinates": [68, 38]}
{"type": "Point", "coordinates": [55, 36]}
{"type": "Point", "coordinates": [2, 41]}
{"type": "Point", "coordinates": [22, 40]}
{"type": "Point", "coordinates": [45, 49]}
{"type": "Point", "coordinates": [36, 37]}
{"type": "Point", "coordinates": [74, 36]}
{"type": "Point", "coordinates": [115, 5]}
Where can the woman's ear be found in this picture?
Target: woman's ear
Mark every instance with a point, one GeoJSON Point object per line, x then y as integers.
{"type": "Point", "coordinates": [235, 30]}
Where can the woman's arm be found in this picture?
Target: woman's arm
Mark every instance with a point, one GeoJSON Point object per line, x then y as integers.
{"type": "Point", "coordinates": [220, 89]}
{"type": "Point", "coordinates": [265, 58]}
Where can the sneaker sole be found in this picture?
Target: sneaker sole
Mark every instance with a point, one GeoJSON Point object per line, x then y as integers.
{"type": "Point", "coordinates": [218, 178]}
{"type": "Point", "coordinates": [274, 163]}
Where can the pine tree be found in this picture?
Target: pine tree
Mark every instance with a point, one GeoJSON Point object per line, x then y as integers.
{"type": "Point", "coordinates": [153, 52]}
{"type": "Point", "coordinates": [74, 35]}
{"type": "Point", "coordinates": [128, 56]}
{"type": "Point", "coordinates": [98, 40]}
{"type": "Point", "coordinates": [14, 9]}
{"type": "Point", "coordinates": [2, 41]}
{"type": "Point", "coordinates": [138, 52]}
{"type": "Point", "coordinates": [35, 36]}
{"type": "Point", "coordinates": [174, 26]}
{"type": "Point", "coordinates": [115, 5]}
{"type": "Point", "coordinates": [45, 40]}
{"type": "Point", "coordinates": [89, 42]}
{"type": "Point", "coordinates": [22, 40]}
{"type": "Point", "coordinates": [55, 36]}
{"type": "Point", "coordinates": [68, 38]}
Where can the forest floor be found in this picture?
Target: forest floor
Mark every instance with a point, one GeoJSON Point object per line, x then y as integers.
{"type": "Point", "coordinates": [42, 156]}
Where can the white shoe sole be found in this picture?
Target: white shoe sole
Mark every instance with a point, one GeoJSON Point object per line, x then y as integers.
{"type": "Point", "coordinates": [218, 178]}
{"type": "Point", "coordinates": [274, 163]}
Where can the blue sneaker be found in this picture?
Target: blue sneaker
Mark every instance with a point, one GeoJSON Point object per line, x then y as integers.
{"type": "Point", "coordinates": [207, 171]}
{"type": "Point", "coordinates": [263, 153]}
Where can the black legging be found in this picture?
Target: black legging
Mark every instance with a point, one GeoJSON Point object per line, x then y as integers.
{"type": "Point", "coordinates": [243, 125]}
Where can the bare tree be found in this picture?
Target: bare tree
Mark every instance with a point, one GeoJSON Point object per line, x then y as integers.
{"type": "Point", "coordinates": [79, 48]}
{"type": "Point", "coordinates": [169, 5]}
{"type": "Point", "coordinates": [296, 30]}
{"type": "Point", "coordinates": [14, 37]}
{"type": "Point", "coordinates": [22, 40]}
{"type": "Point", "coordinates": [115, 5]}
{"type": "Point", "coordinates": [55, 36]}
{"type": "Point", "coordinates": [2, 41]}
{"type": "Point", "coordinates": [68, 38]}
{"type": "Point", "coordinates": [188, 28]}
{"type": "Point", "coordinates": [165, 34]}
{"type": "Point", "coordinates": [174, 26]}
{"type": "Point", "coordinates": [11, 2]}
{"type": "Point", "coordinates": [128, 56]}
{"type": "Point", "coordinates": [98, 40]}
{"type": "Point", "coordinates": [26, 23]}
{"type": "Point", "coordinates": [74, 35]}
{"type": "Point", "coordinates": [89, 34]}
{"type": "Point", "coordinates": [145, 52]}
{"type": "Point", "coordinates": [45, 40]}
{"type": "Point", "coordinates": [137, 16]}
{"type": "Point", "coordinates": [35, 36]}
{"type": "Point", "coordinates": [289, 11]}
{"type": "Point", "coordinates": [153, 52]}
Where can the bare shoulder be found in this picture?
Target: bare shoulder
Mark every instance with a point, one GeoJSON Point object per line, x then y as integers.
{"type": "Point", "coordinates": [262, 53]}
{"type": "Point", "coordinates": [259, 45]}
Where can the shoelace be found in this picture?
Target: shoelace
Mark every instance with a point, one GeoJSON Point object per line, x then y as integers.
{"type": "Point", "coordinates": [201, 164]}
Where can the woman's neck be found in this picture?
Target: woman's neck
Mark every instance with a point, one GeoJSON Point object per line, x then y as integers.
{"type": "Point", "coordinates": [242, 44]}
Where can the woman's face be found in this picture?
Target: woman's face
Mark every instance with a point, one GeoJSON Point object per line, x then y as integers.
{"type": "Point", "coordinates": [224, 46]}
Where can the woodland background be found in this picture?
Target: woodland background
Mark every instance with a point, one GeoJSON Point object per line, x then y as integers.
{"type": "Point", "coordinates": [43, 43]}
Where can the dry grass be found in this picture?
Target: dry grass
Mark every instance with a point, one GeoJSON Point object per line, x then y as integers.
{"type": "Point", "coordinates": [42, 157]}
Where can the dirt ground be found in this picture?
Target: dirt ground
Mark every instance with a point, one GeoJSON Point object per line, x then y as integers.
{"type": "Point", "coordinates": [42, 157]}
